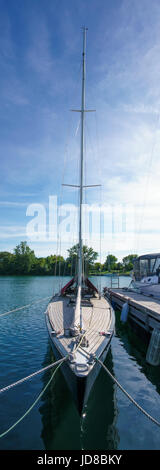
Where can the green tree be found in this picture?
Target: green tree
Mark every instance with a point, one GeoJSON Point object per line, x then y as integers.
{"type": "Point", "coordinates": [6, 262]}
{"type": "Point", "coordinates": [24, 258]}
{"type": "Point", "coordinates": [89, 257]}
{"type": "Point", "coordinates": [119, 266]}
{"type": "Point", "coordinates": [55, 264]}
{"type": "Point", "coordinates": [110, 263]}
{"type": "Point", "coordinates": [39, 266]}
{"type": "Point", "coordinates": [128, 262]}
{"type": "Point", "coordinates": [97, 268]}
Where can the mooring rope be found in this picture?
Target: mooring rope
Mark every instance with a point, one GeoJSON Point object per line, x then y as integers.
{"type": "Point", "coordinates": [24, 306]}
{"type": "Point", "coordinates": [37, 399]}
{"type": "Point", "coordinates": [126, 393]}
{"type": "Point", "coordinates": [24, 379]}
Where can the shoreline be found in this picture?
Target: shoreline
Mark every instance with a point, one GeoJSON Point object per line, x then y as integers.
{"type": "Point", "coordinates": [67, 275]}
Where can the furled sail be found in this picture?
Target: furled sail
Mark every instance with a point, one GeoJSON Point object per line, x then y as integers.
{"type": "Point", "coordinates": [77, 323]}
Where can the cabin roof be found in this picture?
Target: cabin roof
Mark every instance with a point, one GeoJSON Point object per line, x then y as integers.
{"type": "Point", "coordinates": [149, 256]}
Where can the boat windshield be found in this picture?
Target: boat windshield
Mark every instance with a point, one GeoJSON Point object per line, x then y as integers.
{"type": "Point", "coordinates": [157, 265]}
{"type": "Point", "coordinates": [146, 267]}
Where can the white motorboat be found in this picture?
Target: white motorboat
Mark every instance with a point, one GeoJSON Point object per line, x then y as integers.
{"type": "Point", "coordinates": [146, 274]}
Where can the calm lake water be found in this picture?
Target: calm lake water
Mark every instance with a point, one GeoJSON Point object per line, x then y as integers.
{"type": "Point", "coordinates": [110, 420]}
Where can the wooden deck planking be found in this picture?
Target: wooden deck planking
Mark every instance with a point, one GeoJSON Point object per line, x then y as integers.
{"type": "Point", "coordinates": [96, 319]}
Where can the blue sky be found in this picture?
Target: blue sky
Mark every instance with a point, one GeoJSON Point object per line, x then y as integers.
{"type": "Point", "coordinates": [40, 81]}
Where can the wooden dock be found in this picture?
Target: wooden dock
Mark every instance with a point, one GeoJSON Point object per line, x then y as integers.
{"type": "Point", "coordinates": [144, 311]}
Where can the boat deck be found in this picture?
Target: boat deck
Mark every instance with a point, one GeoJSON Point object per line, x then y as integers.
{"type": "Point", "coordinates": [96, 318]}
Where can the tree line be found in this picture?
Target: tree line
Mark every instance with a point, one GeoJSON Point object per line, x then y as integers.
{"type": "Point", "coordinates": [24, 262]}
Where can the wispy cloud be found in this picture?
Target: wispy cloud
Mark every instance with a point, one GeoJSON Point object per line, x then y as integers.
{"type": "Point", "coordinates": [13, 204]}
{"type": "Point", "coordinates": [12, 232]}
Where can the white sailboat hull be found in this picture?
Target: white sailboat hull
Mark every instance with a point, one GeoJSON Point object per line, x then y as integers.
{"type": "Point", "coordinates": [81, 377]}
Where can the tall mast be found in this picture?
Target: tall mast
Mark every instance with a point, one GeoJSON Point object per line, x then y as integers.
{"type": "Point", "coordinates": [82, 158]}
{"type": "Point", "coordinates": [78, 309]}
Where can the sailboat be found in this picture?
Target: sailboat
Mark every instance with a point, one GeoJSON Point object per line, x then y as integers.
{"type": "Point", "coordinates": [80, 321]}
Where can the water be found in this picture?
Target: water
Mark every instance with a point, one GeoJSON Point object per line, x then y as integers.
{"type": "Point", "coordinates": [110, 420]}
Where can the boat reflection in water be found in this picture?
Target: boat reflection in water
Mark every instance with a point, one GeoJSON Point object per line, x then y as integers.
{"type": "Point", "coordinates": [62, 427]}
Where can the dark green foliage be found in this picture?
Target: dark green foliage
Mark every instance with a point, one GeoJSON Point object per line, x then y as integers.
{"type": "Point", "coordinates": [128, 262]}
{"type": "Point", "coordinates": [89, 257]}
{"type": "Point", "coordinates": [24, 261]}
{"type": "Point", "coordinates": [110, 263]}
